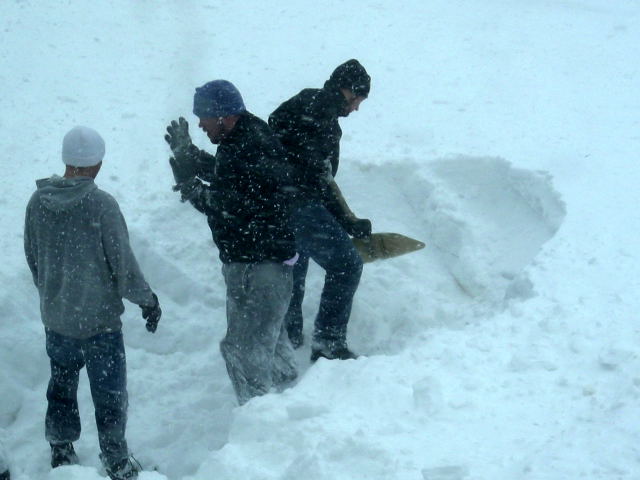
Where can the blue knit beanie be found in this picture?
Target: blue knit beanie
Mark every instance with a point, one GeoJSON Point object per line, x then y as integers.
{"type": "Point", "coordinates": [218, 98]}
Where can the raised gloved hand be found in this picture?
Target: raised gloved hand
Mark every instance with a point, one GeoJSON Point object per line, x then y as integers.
{"type": "Point", "coordinates": [152, 315]}
{"type": "Point", "coordinates": [178, 137]}
{"type": "Point", "coordinates": [359, 228]}
{"type": "Point", "coordinates": [185, 153]}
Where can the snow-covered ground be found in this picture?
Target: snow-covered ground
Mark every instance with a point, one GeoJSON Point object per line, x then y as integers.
{"type": "Point", "coordinates": [503, 133]}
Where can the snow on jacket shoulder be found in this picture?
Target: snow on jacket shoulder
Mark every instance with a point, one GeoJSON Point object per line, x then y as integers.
{"type": "Point", "coordinates": [77, 247]}
{"type": "Point", "coordinates": [307, 126]}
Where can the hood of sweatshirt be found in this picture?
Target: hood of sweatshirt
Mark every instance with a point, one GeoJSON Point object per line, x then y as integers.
{"type": "Point", "coordinates": [59, 193]}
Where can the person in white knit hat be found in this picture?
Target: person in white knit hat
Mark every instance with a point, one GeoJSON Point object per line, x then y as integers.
{"type": "Point", "coordinates": [77, 247]}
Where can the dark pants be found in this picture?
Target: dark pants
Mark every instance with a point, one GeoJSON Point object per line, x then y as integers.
{"type": "Point", "coordinates": [106, 365]}
{"type": "Point", "coordinates": [320, 237]}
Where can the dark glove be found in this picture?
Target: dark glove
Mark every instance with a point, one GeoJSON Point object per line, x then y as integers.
{"type": "Point", "coordinates": [182, 170]}
{"type": "Point", "coordinates": [359, 228]}
{"type": "Point", "coordinates": [185, 153]}
{"type": "Point", "coordinates": [152, 314]}
{"type": "Point", "coordinates": [178, 137]}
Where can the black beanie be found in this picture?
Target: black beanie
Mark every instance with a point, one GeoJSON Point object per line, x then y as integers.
{"type": "Point", "coordinates": [353, 76]}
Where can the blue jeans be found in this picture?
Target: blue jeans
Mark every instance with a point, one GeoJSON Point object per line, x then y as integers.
{"type": "Point", "coordinates": [104, 357]}
{"type": "Point", "coordinates": [320, 237]}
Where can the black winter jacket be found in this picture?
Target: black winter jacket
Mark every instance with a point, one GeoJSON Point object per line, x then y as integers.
{"type": "Point", "coordinates": [246, 195]}
{"type": "Point", "coordinates": [307, 126]}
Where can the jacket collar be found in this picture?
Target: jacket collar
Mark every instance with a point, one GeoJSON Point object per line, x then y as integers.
{"type": "Point", "coordinates": [236, 134]}
{"type": "Point", "coordinates": [335, 95]}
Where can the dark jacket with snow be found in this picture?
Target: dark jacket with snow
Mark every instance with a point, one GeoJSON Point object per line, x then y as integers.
{"type": "Point", "coordinates": [307, 127]}
{"type": "Point", "coordinates": [77, 247]}
{"type": "Point", "coordinates": [246, 195]}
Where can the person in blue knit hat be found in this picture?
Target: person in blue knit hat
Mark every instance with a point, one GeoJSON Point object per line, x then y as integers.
{"type": "Point", "coordinates": [245, 192]}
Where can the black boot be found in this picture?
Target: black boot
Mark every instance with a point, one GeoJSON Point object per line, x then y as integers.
{"type": "Point", "coordinates": [340, 353]}
{"type": "Point", "coordinates": [126, 469]}
{"type": "Point", "coordinates": [63, 454]}
{"type": "Point", "coordinates": [5, 476]}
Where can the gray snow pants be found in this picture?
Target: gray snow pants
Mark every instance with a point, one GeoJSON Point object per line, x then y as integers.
{"type": "Point", "coordinates": [256, 349]}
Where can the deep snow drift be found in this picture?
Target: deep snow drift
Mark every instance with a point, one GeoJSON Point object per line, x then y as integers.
{"type": "Point", "coordinates": [503, 134]}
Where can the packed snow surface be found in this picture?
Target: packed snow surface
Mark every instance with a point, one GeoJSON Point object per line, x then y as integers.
{"type": "Point", "coordinates": [504, 134]}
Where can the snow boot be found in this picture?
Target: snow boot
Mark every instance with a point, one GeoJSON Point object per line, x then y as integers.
{"type": "Point", "coordinates": [340, 353]}
{"type": "Point", "coordinates": [63, 454]}
{"type": "Point", "coordinates": [5, 476]}
{"type": "Point", "coordinates": [125, 469]}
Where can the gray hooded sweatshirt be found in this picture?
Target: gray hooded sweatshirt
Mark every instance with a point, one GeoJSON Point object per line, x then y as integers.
{"type": "Point", "coordinates": [77, 247]}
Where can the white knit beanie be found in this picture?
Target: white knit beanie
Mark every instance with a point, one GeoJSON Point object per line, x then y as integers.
{"type": "Point", "coordinates": [82, 147]}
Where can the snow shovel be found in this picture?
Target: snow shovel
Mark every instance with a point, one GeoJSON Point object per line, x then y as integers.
{"type": "Point", "coordinates": [380, 246]}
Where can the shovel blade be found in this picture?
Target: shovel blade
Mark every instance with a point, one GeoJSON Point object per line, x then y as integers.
{"type": "Point", "coordinates": [380, 246]}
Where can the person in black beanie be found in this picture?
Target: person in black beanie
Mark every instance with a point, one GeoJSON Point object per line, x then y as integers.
{"type": "Point", "coordinates": [307, 126]}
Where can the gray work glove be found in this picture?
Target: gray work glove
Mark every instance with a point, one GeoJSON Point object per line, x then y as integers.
{"type": "Point", "coordinates": [152, 315]}
{"type": "Point", "coordinates": [185, 153]}
{"type": "Point", "coordinates": [178, 137]}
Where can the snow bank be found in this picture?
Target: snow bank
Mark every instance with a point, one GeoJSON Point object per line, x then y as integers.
{"type": "Point", "coordinates": [78, 472]}
{"type": "Point", "coordinates": [484, 222]}
{"type": "Point", "coordinates": [488, 221]}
